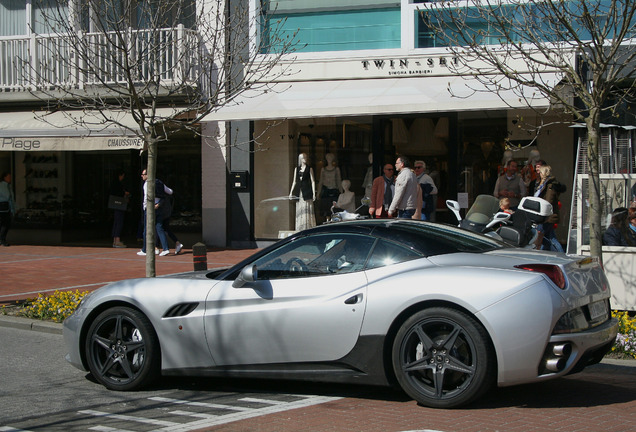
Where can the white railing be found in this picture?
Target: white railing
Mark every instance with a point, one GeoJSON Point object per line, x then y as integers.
{"type": "Point", "coordinates": [164, 56]}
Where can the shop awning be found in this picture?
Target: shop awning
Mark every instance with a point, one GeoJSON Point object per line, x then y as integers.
{"type": "Point", "coordinates": [376, 96]}
{"type": "Point", "coordinates": [41, 131]}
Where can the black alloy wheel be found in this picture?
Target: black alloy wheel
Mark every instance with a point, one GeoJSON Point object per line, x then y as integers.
{"type": "Point", "coordinates": [443, 358]}
{"type": "Point", "coordinates": [122, 349]}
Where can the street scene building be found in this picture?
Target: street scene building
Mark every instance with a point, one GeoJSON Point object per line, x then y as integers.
{"type": "Point", "coordinates": [367, 80]}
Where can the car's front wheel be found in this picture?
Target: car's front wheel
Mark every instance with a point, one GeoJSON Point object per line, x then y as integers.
{"type": "Point", "coordinates": [442, 358]}
{"type": "Point", "coordinates": [122, 349]}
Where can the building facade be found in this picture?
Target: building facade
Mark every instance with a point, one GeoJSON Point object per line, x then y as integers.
{"type": "Point", "coordinates": [368, 82]}
{"type": "Point", "coordinates": [63, 167]}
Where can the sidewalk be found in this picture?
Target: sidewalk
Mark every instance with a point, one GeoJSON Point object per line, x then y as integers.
{"type": "Point", "coordinates": [26, 271]}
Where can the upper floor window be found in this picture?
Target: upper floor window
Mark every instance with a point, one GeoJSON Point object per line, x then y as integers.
{"type": "Point", "coordinates": [23, 17]}
{"type": "Point", "coordinates": [494, 23]}
{"type": "Point", "coordinates": [105, 15]}
{"type": "Point", "coordinates": [331, 25]}
{"type": "Point", "coordinates": [20, 17]}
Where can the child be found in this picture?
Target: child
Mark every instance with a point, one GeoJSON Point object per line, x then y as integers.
{"type": "Point", "coordinates": [504, 205]}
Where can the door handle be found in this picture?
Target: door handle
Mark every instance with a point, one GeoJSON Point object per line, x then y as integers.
{"type": "Point", "coordinates": [353, 300]}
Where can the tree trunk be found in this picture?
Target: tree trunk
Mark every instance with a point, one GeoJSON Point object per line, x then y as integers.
{"type": "Point", "coordinates": [151, 170]}
{"type": "Point", "coordinates": [594, 185]}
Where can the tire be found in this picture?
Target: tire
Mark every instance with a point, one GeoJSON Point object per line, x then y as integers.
{"type": "Point", "coordinates": [122, 349]}
{"type": "Point", "coordinates": [443, 358]}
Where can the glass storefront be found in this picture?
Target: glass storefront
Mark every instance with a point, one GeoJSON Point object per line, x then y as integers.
{"type": "Point", "coordinates": [67, 191]}
{"type": "Point", "coordinates": [338, 149]}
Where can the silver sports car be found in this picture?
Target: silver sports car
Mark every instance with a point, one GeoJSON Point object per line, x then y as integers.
{"type": "Point", "coordinates": [441, 312]}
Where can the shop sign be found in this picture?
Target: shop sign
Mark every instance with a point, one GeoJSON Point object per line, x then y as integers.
{"type": "Point", "coordinates": [410, 66]}
{"type": "Point", "coordinates": [69, 143]}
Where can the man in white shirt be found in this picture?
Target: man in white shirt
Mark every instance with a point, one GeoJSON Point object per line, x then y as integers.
{"type": "Point", "coordinates": [406, 190]}
{"type": "Point", "coordinates": [161, 192]}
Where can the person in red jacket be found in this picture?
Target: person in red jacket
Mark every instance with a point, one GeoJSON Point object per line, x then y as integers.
{"type": "Point", "coordinates": [382, 193]}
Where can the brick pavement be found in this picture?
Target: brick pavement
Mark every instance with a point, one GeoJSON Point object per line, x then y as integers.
{"type": "Point", "coordinates": [27, 270]}
{"type": "Point", "coordinates": [602, 397]}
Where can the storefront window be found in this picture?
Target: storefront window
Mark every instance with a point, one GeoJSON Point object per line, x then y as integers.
{"type": "Point", "coordinates": [68, 191]}
{"type": "Point", "coordinates": [338, 150]}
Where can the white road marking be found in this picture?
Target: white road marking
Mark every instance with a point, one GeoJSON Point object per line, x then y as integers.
{"type": "Point", "coordinates": [200, 404]}
{"type": "Point", "coordinates": [263, 401]}
{"type": "Point", "coordinates": [127, 417]}
{"type": "Point", "coordinates": [108, 429]}
{"type": "Point", "coordinates": [193, 414]}
{"type": "Point", "coordinates": [251, 413]}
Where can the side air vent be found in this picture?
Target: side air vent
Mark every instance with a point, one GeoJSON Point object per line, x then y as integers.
{"type": "Point", "coordinates": [180, 309]}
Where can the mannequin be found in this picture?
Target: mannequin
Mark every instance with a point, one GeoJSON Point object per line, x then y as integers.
{"type": "Point", "coordinates": [504, 160]}
{"type": "Point", "coordinates": [346, 200]}
{"type": "Point", "coordinates": [330, 184]}
{"type": "Point", "coordinates": [304, 187]}
{"type": "Point", "coordinates": [367, 183]}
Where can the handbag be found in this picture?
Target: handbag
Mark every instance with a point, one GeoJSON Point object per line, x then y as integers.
{"type": "Point", "coordinates": [117, 203]}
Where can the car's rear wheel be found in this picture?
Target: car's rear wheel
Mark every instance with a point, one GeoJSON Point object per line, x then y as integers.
{"type": "Point", "coordinates": [122, 349]}
{"type": "Point", "coordinates": [442, 358]}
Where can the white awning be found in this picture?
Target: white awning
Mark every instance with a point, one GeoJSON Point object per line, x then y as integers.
{"type": "Point", "coordinates": [59, 131]}
{"type": "Point", "coordinates": [374, 97]}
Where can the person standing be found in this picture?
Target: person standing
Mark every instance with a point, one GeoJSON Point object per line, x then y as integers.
{"type": "Point", "coordinates": [7, 207]}
{"type": "Point", "coordinates": [429, 190]}
{"type": "Point", "coordinates": [405, 200]}
{"type": "Point", "coordinates": [167, 214]}
{"type": "Point", "coordinates": [117, 188]}
{"type": "Point", "coordinates": [549, 189]}
{"type": "Point", "coordinates": [382, 192]}
{"type": "Point", "coordinates": [532, 186]}
{"type": "Point", "coordinates": [510, 185]}
{"type": "Point", "coordinates": [161, 191]}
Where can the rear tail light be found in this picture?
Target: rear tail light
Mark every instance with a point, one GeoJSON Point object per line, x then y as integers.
{"type": "Point", "coordinates": [552, 271]}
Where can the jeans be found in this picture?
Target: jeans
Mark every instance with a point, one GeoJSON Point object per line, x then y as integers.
{"type": "Point", "coordinates": [550, 241]}
{"type": "Point", "coordinates": [161, 233]}
{"type": "Point", "coordinates": [406, 214]}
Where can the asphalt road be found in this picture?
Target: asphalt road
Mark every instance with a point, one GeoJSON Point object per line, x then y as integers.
{"type": "Point", "coordinates": [39, 391]}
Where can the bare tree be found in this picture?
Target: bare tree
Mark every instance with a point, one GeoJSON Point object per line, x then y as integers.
{"type": "Point", "coordinates": [166, 63]}
{"type": "Point", "coordinates": [521, 45]}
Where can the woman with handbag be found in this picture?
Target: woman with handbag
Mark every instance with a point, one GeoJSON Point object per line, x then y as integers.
{"type": "Point", "coordinates": [118, 189]}
{"type": "Point", "coordinates": [7, 207]}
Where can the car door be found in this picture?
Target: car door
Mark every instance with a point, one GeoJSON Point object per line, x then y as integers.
{"type": "Point", "coordinates": [306, 304]}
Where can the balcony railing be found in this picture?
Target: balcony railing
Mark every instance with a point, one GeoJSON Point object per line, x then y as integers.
{"type": "Point", "coordinates": [166, 56]}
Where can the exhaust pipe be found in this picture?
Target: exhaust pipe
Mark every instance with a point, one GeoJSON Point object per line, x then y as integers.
{"type": "Point", "coordinates": [562, 350]}
{"type": "Point", "coordinates": [555, 364]}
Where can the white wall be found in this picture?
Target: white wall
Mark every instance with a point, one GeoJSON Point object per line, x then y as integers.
{"type": "Point", "coordinates": [213, 184]}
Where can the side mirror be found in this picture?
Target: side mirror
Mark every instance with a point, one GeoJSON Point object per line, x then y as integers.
{"type": "Point", "coordinates": [248, 274]}
{"type": "Point", "coordinates": [454, 207]}
{"type": "Point", "coordinates": [498, 218]}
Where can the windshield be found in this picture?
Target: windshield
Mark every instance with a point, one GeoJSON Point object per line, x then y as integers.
{"type": "Point", "coordinates": [436, 239]}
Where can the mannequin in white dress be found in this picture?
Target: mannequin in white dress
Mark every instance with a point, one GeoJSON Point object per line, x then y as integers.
{"type": "Point", "coordinates": [304, 187]}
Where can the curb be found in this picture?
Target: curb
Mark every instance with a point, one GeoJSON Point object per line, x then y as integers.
{"type": "Point", "coordinates": [30, 324]}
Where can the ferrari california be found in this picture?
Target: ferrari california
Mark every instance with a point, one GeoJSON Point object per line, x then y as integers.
{"type": "Point", "coordinates": [441, 312]}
